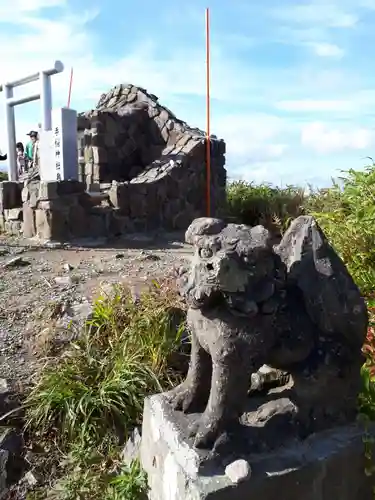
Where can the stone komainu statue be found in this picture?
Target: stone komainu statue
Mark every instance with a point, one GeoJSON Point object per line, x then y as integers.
{"type": "Point", "coordinates": [291, 306]}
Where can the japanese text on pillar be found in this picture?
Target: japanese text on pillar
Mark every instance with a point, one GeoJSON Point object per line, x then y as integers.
{"type": "Point", "coordinates": [57, 137]}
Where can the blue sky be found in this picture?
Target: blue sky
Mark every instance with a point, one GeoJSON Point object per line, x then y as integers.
{"type": "Point", "coordinates": [293, 86]}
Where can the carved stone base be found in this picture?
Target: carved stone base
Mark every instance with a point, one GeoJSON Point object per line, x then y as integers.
{"type": "Point", "coordinates": [327, 465]}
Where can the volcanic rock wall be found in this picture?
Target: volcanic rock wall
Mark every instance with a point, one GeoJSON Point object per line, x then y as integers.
{"type": "Point", "coordinates": [157, 161]}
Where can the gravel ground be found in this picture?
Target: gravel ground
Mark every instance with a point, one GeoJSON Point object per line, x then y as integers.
{"type": "Point", "coordinates": [65, 279]}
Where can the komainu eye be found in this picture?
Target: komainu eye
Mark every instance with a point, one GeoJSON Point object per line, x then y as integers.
{"type": "Point", "coordinates": [205, 253]}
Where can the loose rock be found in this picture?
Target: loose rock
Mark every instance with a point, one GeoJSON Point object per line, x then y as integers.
{"type": "Point", "coordinates": [63, 280]}
{"type": "Point", "coordinates": [16, 262]}
{"type": "Point", "coordinates": [238, 471]}
{"type": "Point", "coordinates": [132, 448]}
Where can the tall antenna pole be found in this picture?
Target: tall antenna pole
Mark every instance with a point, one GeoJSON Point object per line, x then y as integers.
{"type": "Point", "coordinates": [70, 87]}
{"type": "Point", "coordinates": [208, 142]}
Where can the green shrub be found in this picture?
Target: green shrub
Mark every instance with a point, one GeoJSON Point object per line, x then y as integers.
{"type": "Point", "coordinates": [3, 176]}
{"type": "Point", "coordinates": [263, 204]}
{"type": "Point", "coordinates": [347, 215]}
{"type": "Point", "coordinates": [345, 211]}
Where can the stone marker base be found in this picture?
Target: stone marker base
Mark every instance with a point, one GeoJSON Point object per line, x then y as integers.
{"type": "Point", "coordinates": [326, 466]}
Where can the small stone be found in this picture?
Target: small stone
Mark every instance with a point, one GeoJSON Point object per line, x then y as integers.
{"type": "Point", "coordinates": [238, 471]}
{"type": "Point", "coordinates": [67, 267]}
{"type": "Point", "coordinates": [132, 448]}
{"type": "Point", "coordinates": [54, 244]}
{"type": "Point", "coordinates": [16, 262]}
{"type": "Point", "coordinates": [63, 280]}
{"type": "Point", "coordinates": [119, 256]}
{"type": "Point", "coordinates": [3, 386]}
{"type": "Point", "coordinates": [30, 478]}
{"type": "Point", "coordinates": [150, 256]}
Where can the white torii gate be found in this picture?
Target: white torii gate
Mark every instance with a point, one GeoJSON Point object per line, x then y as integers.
{"type": "Point", "coordinates": [45, 96]}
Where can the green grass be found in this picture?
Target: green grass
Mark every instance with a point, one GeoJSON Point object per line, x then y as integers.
{"type": "Point", "coordinates": [348, 219]}
{"type": "Point", "coordinates": [264, 204]}
{"type": "Point", "coordinates": [90, 401]}
{"type": "Point", "coordinates": [345, 211]}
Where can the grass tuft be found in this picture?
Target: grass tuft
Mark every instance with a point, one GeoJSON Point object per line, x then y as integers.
{"type": "Point", "coordinates": [91, 400]}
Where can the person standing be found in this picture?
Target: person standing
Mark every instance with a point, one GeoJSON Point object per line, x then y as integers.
{"type": "Point", "coordinates": [21, 159]}
{"type": "Point", "coordinates": [30, 147]}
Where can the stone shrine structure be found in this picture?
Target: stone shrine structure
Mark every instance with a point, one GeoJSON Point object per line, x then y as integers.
{"type": "Point", "coordinates": [140, 169]}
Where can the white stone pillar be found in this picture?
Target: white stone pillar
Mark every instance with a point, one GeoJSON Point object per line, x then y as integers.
{"type": "Point", "coordinates": [11, 134]}
{"type": "Point", "coordinates": [46, 101]}
{"type": "Point", "coordinates": [46, 109]}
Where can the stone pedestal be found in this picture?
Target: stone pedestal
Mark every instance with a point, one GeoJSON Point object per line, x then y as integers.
{"type": "Point", "coordinates": [10, 195]}
{"type": "Point", "coordinates": [326, 466]}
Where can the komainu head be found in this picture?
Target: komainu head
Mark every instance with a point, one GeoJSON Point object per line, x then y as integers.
{"type": "Point", "coordinates": [231, 262]}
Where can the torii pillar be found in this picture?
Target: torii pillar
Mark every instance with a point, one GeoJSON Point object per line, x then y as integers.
{"type": "Point", "coordinates": [45, 97]}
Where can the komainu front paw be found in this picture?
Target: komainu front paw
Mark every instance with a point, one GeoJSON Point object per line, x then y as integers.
{"type": "Point", "coordinates": [186, 399]}
{"type": "Point", "coordinates": [206, 431]}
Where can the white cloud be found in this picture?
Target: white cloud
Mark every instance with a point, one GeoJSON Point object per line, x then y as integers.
{"type": "Point", "coordinates": [12, 11]}
{"type": "Point", "coordinates": [313, 105]}
{"type": "Point", "coordinates": [321, 13]}
{"type": "Point", "coordinates": [323, 139]}
{"type": "Point", "coordinates": [327, 50]}
{"type": "Point", "coordinates": [255, 139]}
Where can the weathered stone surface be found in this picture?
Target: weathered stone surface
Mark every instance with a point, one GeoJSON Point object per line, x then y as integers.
{"type": "Point", "coordinates": [11, 461]}
{"type": "Point", "coordinates": [30, 193]}
{"type": "Point", "coordinates": [51, 225]}
{"type": "Point", "coordinates": [132, 448]}
{"type": "Point", "coordinates": [13, 227]}
{"type": "Point", "coordinates": [28, 226]}
{"type": "Point", "coordinates": [62, 217]}
{"type": "Point", "coordinates": [51, 190]}
{"type": "Point", "coordinates": [293, 307]}
{"type": "Point", "coordinates": [10, 195]}
{"type": "Point", "coordinates": [327, 465]}
{"type": "Point", "coordinates": [153, 163]}
{"type": "Point", "coordinates": [3, 471]}
{"type": "Point", "coordinates": [13, 214]}
{"type": "Point", "coordinates": [118, 196]}
{"type": "Point", "coordinates": [238, 471]}
{"type": "Point", "coordinates": [131, 137]}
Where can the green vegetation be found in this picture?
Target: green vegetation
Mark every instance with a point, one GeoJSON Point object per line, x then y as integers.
{"type": "Point", "coordinates": [86, 403]}
{"type": "Point", "coordinates": [90, 401]}
{"type": "Point", "coordinates": [3, 176]}
{"type": "Point", "coordinates": [346, 213]}
{"type": "Point", "coordinates": [264, 204]}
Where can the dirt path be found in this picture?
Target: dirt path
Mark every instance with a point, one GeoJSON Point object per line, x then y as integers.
{"type": "Point", "coordinates": [67, 278]}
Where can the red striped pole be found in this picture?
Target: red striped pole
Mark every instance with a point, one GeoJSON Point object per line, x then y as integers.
{"type": "Point", "coordinates": [70, 87]}
{"type": "Point", "coordinates": [208, 143]}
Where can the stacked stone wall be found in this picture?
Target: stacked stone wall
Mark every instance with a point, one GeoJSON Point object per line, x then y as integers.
{"type": "Point", "coordinates": [152, 164]}
{"type": "Point", "coordinates": [131, 138]}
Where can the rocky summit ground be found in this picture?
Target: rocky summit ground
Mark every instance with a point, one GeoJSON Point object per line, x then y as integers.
{"type": "Point", "coordinates": [45, 288]}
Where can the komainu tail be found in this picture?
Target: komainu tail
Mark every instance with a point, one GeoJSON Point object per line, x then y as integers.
{"type": "Point", "coordinates": [333, 301]}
